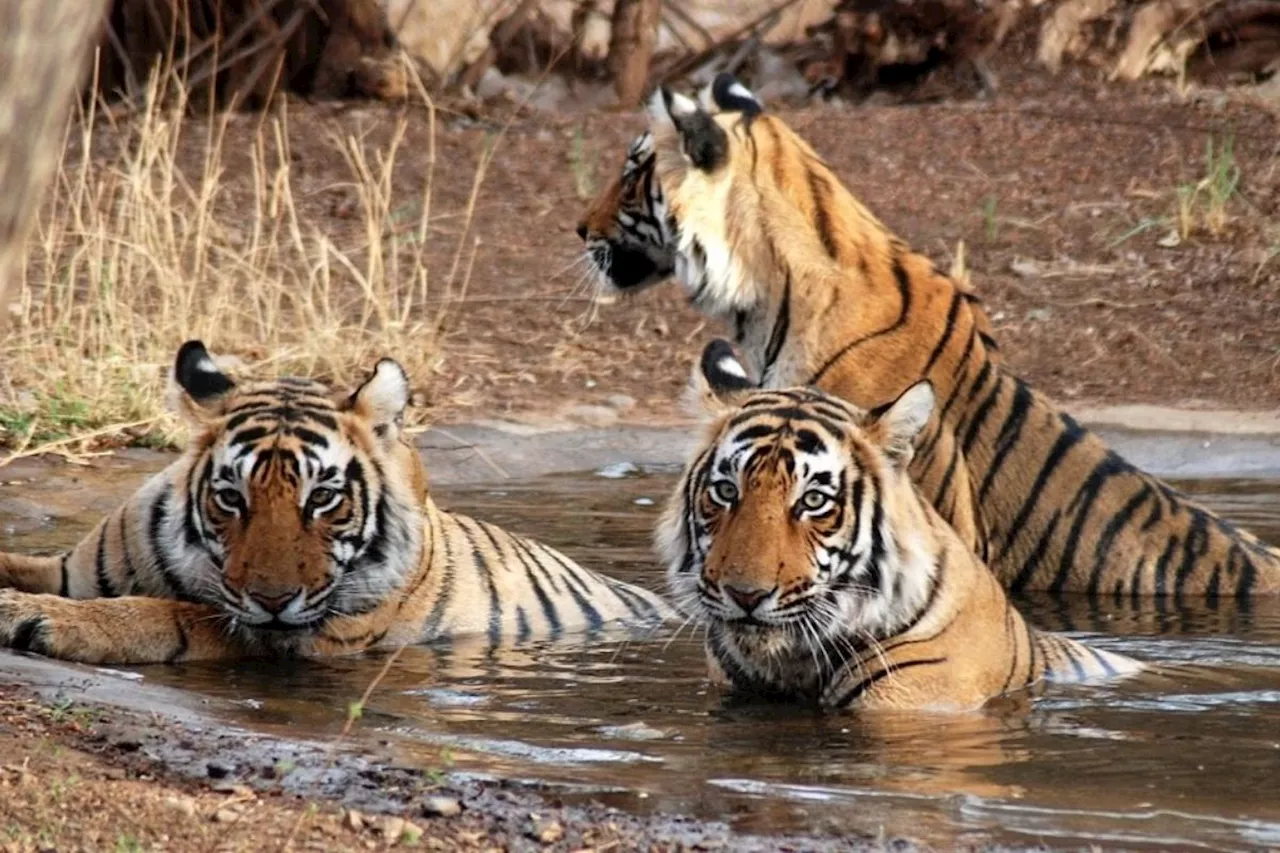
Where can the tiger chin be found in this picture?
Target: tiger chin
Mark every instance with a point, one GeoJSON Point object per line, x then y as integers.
{"type": "Point", "coordinates": [797, 537]}
{"type": "Point", "coordinates": [297, 522]}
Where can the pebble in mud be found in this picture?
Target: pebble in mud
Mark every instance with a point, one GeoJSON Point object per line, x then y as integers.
{"type": "Point", "coordinates": [441, 807]}
{"type": "Point", "coordinates": [218, 769]}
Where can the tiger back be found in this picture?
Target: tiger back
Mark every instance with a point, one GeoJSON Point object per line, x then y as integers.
{"type": "Point", "coordinates": [765, 237]}
{"type": "Point", "coordinates": [797, 537]}
{"type": "Point", "coordinates": [297, 522]}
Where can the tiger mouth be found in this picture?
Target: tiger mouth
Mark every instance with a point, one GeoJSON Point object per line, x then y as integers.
{"type": "Point", "coordinates": [627, 269]}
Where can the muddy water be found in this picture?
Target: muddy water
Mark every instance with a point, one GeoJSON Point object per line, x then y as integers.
{"type": "Point", "coordinates": [1188, 757]}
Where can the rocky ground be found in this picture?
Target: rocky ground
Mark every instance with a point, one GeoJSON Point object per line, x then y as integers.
{"type": "Point", "coordinates": [84, 777]}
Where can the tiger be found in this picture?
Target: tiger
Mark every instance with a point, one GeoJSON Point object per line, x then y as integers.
{"type": "Point", "coordinates": [298, 522]}
{"type": "Point", "coordinates": [822, 575]}
{"type": "Point", "coordinates": [764, 236]}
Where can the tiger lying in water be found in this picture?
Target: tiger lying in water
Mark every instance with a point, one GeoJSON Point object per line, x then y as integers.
{"type": "Point", "coordinates": [298, 522]}
{"type": "Point", "coordinates": [766, 237]}
{"type": "Point", "coordinates": [797, 536]}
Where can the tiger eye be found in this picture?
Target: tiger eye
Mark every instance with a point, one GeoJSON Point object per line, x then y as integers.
{"type": "Point", "coordinates": [814, 499]}
{"type": "Point", "coordinates": [725, 491]}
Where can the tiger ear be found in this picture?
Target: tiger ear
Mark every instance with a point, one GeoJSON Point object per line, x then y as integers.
{"type": "Point", "coordinates": [202, 386]}
{"type": "Point", "coordinates": [704, 143]}
{"type": "Point", "coordinates": [726, 94]}
{"type": "Point", "coordinates": [720, 382]}
{"type": "Point", "coordinates": [382, 399]}
{"type": "Point", "coordinates": [895, 426]}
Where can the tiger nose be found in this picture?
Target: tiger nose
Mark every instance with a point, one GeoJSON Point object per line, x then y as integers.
{"type": "Point", "coordinates": [273, 604]}
{"type": "Point", "coordinates": [747, 599]}
{"type": "Point", "coordinates": [582, 231]}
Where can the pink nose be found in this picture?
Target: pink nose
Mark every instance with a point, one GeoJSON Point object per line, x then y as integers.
{"type": "Point", "coordinates": [273, 604]}
{"type": "Point", "coordinates": [747, 599]}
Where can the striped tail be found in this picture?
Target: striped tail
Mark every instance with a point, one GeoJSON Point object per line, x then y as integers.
{"type": "Point", "coordinates": [1062, 659]}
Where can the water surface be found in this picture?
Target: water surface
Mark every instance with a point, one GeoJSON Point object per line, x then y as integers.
{"type": "Point", "coordinates": [1187, 757]}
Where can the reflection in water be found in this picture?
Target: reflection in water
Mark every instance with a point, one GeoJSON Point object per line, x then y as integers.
{"type": "Point", "coordinates": [1186, 756]}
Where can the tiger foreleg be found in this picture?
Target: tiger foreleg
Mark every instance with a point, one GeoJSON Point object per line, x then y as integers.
{"type": "Point", "coordinates": [33, 574]}
{"type": "Point", "coordinates": [114, 630]}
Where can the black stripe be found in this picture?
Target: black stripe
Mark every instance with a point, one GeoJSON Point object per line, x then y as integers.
{"type": "Point", "coordinates": [1107, 668]}
{"type": "Point", "coordinates": [485, 571]}
{"type": "Point", "coordinates": [522, 624]}
{"type": "Point", "coordinates": [106, 589]}
{"type": "Point", "coordinates": [1033, 561]}
{"type": "Point", "coordinates": [431, 625]}
{"type": "Point", "coordinates": [184, 642]}
{"type": "Point", "coordinates": [1010, 433]}
{"type": "Point", "coordinates": [1102, 550]}
{"type": "Point", "coordinates": [846, 698]}
{"type": "Point", "coordinates": [905, 293]}
{"type": "Point", "coordinates": [64, 589]}
{"type": "Point", "coordinates": [1089, 492]}
{"type": "Point", "coordinates": [822, 217]}
{"type": "Point", "coordinates": [781, 328]}
{"type": "Point", "coordinates": [1195, 547]}
{"type": "Point", "coordinates": [947, 331]}
{"type": "Point", "coordinates": [1071, 435]}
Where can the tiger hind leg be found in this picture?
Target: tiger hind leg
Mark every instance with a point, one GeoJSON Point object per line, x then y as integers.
{"type": "Point", "coordinates": [33, 574]}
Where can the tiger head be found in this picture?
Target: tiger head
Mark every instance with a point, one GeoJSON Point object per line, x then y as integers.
{"type": "Point", "coordinates": [626, 232]}
{"type": "Point", "coordinates": [709, 192]}
{"type": "Point", "coordinates": [631, 233]}
{"type": "Point", "coordinates": [794, 535]}
{"type": "Point", "coordinates": [299, 503]}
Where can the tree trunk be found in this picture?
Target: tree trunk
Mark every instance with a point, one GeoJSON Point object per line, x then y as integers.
{"type": "Point", "coordinates": [43, 48]}
{"type": "Point", "coordinates": [631, 43]}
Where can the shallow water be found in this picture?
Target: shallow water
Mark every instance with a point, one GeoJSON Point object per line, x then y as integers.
{"type": "Point", "coordinates": [1187, 757]}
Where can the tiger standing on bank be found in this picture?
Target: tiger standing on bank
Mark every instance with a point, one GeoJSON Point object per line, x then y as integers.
{"type": "Point", "coordinates": [297, 522]}
{"type": "Point", "coordinates": [764, 236]}
{"type": "Point", "coordinates": [796, 536]}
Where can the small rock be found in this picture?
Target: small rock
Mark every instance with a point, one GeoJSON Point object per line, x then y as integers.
{"type": "Point", "coordinates": [218, 769]}
{"type": "Point", "coordinates": [185, 805]}
{"type": "Point", "coordinates": [546, 832]}
{"type": "Point", "coordinates": [353, 820]}
{"type": "Point", "coordinates": [1025, 268]}
{"type": "Point", "coordinates": [1170, 241]}
{"type": "Point", "coordinates": [621, 402]}
{"type": "Point", "coordinates": [410, 833]}
{"type": "Point", "coordinates": [618, 470]}
{"type": "Point", "coordinates": [441, 807]}
{"type": "Point", "coordinates": [233, 788]}
{"type": "Point", "coordinates": [226, 815]}
{"type": "Point", "coordinates": [391, 827]}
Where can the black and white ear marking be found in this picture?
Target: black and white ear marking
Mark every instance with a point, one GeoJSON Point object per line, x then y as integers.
{"type": "Point", "coordinates": [728, 95]}
{"type": "Point", "coordinates": [703, 141]}
{"type": "Point", "coordinates": [720, 366]}
{"type": "Point", "coordinates": [195, 372]}
{"type": "Point", "coordinates": [901, 421]}
{"type": "Point", "coordinates": [383, 397]}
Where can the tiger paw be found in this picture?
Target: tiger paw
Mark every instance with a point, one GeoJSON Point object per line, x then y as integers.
{"type": "Point", "coordinates": [29, 622]}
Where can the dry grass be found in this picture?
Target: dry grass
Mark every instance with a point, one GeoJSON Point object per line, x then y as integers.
{"type": "Point", "coordinates": [133, 255]}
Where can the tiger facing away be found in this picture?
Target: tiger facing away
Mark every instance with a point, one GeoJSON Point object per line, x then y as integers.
{"type": "Point", "coordinates": [297, 522]}
{"type": "Point", "coordinates": [763, 235]}
{"type": "Point", "coordinates": [821, 573]}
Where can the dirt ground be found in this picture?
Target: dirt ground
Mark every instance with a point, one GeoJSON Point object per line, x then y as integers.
{"type": "Point", "coordinates": [1064, 191]}
{"type": "Point", "coordinates": [82, 777]}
